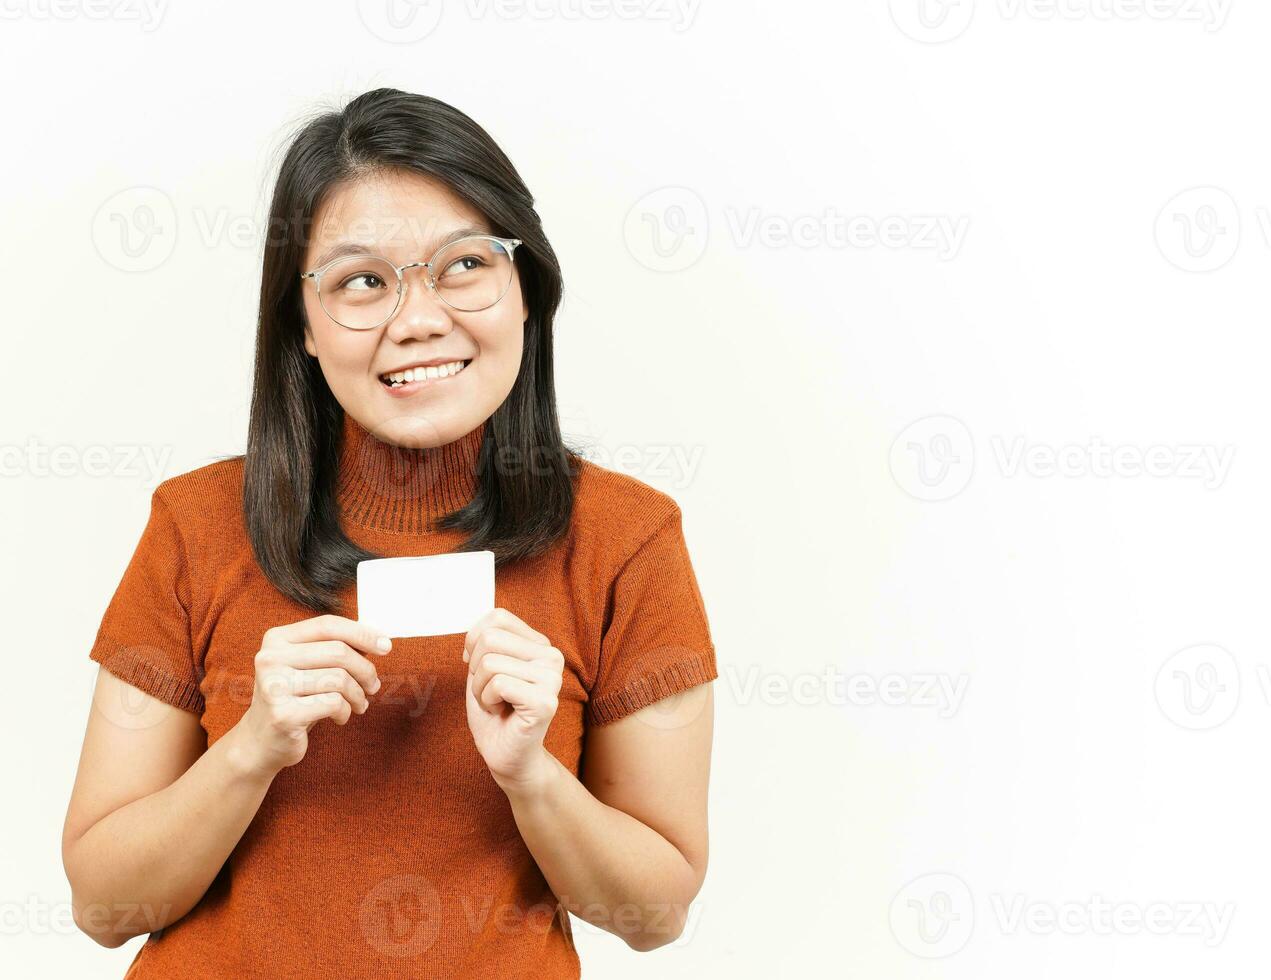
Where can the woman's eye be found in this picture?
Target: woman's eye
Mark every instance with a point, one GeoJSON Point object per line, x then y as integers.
{"type": "Point", "coordinates": [458, 265]}
{"type": "Point", "coordinates": [371, 280]}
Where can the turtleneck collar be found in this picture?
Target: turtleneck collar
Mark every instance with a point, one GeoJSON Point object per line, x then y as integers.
{"type": "Point", "coordinates": [392, 488]}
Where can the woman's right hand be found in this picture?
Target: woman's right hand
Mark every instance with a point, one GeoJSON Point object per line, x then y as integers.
{"type": "Point", "coordinates": [306, 671]}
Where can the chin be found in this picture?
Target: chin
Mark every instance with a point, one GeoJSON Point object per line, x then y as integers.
{"type": "Point", "coordinates": [413, 430]}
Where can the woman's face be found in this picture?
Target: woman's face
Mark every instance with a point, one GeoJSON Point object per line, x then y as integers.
{"type": "Point", "coordinates": [404, 217]}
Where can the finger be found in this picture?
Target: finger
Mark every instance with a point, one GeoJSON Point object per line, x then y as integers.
{"type": "Point", "coordinates": [360, 636]}
{"type": "Point", "coordinates": [501, 619]}
{"type": "Point", "coordinates": [334, 653]}
{"type": "Point", "coordinates": [314, 707]}
{"type": "Point", "coordinates": [475, 631]}
{"type": "Point", "coordinates": [511, 690]}
{"type": "Point", "coordinates": [497, 640]}
{"type": "Point", "coordinates": [494, 664]}
{"type": "Point", "coordinates": [336, 679]}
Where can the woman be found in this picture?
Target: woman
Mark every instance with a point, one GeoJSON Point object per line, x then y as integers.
{"type": "Point", "coordinates": [471, 789]}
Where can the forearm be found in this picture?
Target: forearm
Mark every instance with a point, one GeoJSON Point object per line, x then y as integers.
{"type": "Point", "coordinates": [604, 865]}
{"type": "Point", "coordinates": [146, 864]}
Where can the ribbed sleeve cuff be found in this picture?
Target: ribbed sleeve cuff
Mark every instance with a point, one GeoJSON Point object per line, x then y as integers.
{"type": "Point", "coordinates": [651, 688]}
{"type": "Point", "coordinates": [126, 664]}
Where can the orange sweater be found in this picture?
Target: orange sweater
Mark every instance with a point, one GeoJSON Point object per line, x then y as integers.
{"type": "Point", "coordinates": [389, 851]}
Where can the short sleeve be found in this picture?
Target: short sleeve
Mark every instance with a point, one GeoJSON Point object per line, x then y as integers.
{"type": "Point", "coordinates": [144, 636]}
{"type": "Point", "coordinates": [657, 640]}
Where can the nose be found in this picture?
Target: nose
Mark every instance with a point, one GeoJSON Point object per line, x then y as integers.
{"type": "Point", "coordinates": [422, 313]}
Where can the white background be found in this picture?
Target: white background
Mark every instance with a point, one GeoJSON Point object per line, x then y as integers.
{"type": "Point", "coordinates": [1022, 455]}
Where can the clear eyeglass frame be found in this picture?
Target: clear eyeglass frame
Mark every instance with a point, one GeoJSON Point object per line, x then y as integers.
{"type": "Point", "coordinates": [509, 246]}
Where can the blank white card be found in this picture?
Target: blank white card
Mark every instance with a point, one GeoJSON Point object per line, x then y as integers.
{"type": "Point", "coordinates": [426, 596]}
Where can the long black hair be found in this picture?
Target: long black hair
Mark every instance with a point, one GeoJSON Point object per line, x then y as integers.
{"type": "Point", "coordinates": [293, 441]}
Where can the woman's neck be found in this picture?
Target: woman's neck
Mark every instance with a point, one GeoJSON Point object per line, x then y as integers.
{"type": "Point", "coordinates": [392, 488]}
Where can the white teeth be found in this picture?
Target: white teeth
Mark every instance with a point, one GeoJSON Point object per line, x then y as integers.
{"type": "Point", "coordinates": [420, 373]}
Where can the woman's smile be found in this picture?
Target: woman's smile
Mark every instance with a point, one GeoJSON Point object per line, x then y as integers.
{"type": "Point", "coordinates": [406, 381]}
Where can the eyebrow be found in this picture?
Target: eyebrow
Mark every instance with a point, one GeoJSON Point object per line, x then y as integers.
{"type": "Point", "coordinates": [341, 249]}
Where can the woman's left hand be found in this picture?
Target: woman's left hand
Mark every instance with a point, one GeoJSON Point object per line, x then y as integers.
{"type": "Point", "coordinates": [514, 677]}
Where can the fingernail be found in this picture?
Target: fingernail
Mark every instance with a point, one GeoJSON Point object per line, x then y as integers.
{"type": "Point", "coordinates": [378, 683]}
{"type": "Point", "coordinates": [384, 643]}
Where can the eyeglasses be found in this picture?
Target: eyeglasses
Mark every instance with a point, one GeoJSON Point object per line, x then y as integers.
{"type": "Point", "coordinates": [363, 291]}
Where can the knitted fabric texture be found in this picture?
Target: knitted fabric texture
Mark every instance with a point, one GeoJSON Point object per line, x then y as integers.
{"type": "Point", "coordinates": [389, 851]}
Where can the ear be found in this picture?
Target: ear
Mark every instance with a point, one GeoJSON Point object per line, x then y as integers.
{"type": "Point", "coordinates": [310, 347]}
{"type": "Point", "coordinates": [525, 311]}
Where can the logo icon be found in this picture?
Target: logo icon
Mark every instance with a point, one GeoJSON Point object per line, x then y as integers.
{"type": "Point", "coordinates": [1199, 229]}
{"type": "Point", "coordinates": [933, 915]}
{"type": "Point", "coordinates": [933, 458]}
{"type": "Point", "coordinates": [1198, 687]}
{"type": "Point", "coordinates": [667, 229]}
